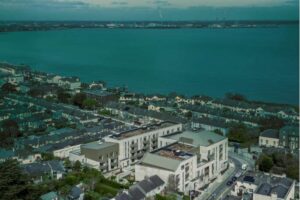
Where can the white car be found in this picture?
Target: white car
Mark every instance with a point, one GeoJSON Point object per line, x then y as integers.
{"type": "Point", "coordinates": [244, 167]}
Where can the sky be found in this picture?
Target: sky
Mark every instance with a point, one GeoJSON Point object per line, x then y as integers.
{"type": "Point", "coordinates": [149, 10]}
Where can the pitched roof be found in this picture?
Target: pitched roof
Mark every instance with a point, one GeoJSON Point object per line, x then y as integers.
{"type": "Point", "coordinates": [123, 196]}
{"type": "Point", "coordinates": [136, 194]}
{"type": "Point", "coordinates": [270, 133]}
{"type": "Point", "coordinates": [75, 192]}
{"type": "Point", "coordinates": [156, 180]}
{"type": "Point", "coordinates": [146, 185]}
{"type": "Point", "coordinates": [49, 196]}
{"type": "Point", "coordinates": [139, 190]}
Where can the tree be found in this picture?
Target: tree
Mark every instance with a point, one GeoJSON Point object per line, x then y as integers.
{"type": "Point", "coordinates": [68, 164]}
{"type": "Point", "coordinates": [47, 156]}
{"type": "Point", "coordinates": [189, 114]}
{"type": "Point", "coordinates": [63, 96]}
{"type": "Point", "coordinates": [265, 163]}
{"type": "Point", "coordinates": [238, 133]}
{"type": "Point", "coordinates": [8, 87]}
{"type": "Point", "coordinates": [13, 184]}
{"type": "Point", "coordinates": [89, 103]}
{"type": "Point", "coordinates": [77, 166]}
{"type": "Point", "coordinates": [78, 99]}
{"type": "Point", "coordinates": [11, 127]}
{"type": "Point", "coordinates": [271, 123]}
{"type": "Point", "coordinates": [10, 132]}
{"type": "Point", "coordinates": [36, 92]}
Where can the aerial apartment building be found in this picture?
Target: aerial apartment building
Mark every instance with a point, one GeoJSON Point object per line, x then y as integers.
{"type": "Point", "coordinates": [102, 156]}
{"type": "Point", "coordinates": [187, 160]}
{"type": "Point", "coordinates": [134, 143]}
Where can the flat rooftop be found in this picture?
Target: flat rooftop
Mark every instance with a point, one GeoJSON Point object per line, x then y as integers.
{"type": "Point", "coordinates": [197, 138]}
{"type": "Point", "coordinates": [169, 157]}
{"type": "Point", "coordinates": [98, 145]}
{"type": "Point", "coordinates": [177, 151]}
{"type": "Point", "coordinates": [139, 131]}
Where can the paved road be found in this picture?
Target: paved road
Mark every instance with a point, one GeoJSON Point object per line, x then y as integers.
{"type": "Point", "coordinates": [223, 189]}
{"type": "Point", "coordinates": [238, 161]}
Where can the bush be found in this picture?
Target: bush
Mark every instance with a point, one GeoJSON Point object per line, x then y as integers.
{"type": "Point", "coordinates": [265, 163]}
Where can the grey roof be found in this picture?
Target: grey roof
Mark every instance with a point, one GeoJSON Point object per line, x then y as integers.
{"type": "Point", "coordinates": [139, 190]}
{"type": "Point", "coordinates": [268, 185]}
{"type": "Point", "coordinates": [38, 169]}
{"type": "Point", "coordinates": [264, 189]}
{"type": "Point", "coordinates": [158, 161]}
{"type": "Point", "coordinates": [136, 194]}
{"type": "Point", "coordinates": [270, 133]}
{"type": "Point", "coordinates": [123, 196]}
{"type": "Point", "coordinates": [156, 180]}
{"type": "Point", "coordinates": [200, 138]}
{"type": "Point", "coordinates": [75, 192]}
{"type": "Point", "coordinates": [280, 190]}
{"type": "Point", "coordinates": [146, 185]}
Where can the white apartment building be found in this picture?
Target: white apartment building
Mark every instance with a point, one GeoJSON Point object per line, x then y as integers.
{"type": "Point", "coordinates": [211, 147]}
{"type": "Point", "coordinates": [134, 143]}
{"type": "Point", "coordinates": [102, 156]}
{"type": "Point", "coordinates": [187, 160]}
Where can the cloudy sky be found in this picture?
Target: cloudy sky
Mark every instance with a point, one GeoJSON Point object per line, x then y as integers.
{"type": "Point", "coordinates": [148, 9]}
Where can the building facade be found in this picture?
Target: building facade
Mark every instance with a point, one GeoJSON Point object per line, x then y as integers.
{"type": "Point", "coordinates": [134, 143]}
{"type": "Point", "coordinates": [187, 160]}
{"type": "Point", "coordinates": [269, 138]}
{"type": "Point", "coordinates": [289, 138]}
{"type": "Point", "coordinates": [99, 155]}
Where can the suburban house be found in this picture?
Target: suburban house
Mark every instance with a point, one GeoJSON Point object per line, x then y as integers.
{"type": "Point", "coordinates": [41, 171]}
{"type": "Point", "coordinates": [144, 189]}
{"type": "Point", "coordinates": [262, 186]}
{"type": "Point", "coordinates": [269, 138]}
{"type": "Point", "coordinates": [76, 193]}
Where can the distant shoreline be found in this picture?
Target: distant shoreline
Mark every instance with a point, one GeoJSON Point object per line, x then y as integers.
{"type": "Point", "coordinates": [23, 67]}
{"type": "Point", "coordinates": [18, 26]}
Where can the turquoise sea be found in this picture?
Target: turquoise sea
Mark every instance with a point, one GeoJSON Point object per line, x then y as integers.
{"type": "Point", "coordinates": [261, 63]}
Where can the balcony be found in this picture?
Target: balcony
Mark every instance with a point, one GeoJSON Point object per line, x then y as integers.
{"type": "Point", "coordinates": [211, 157]}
